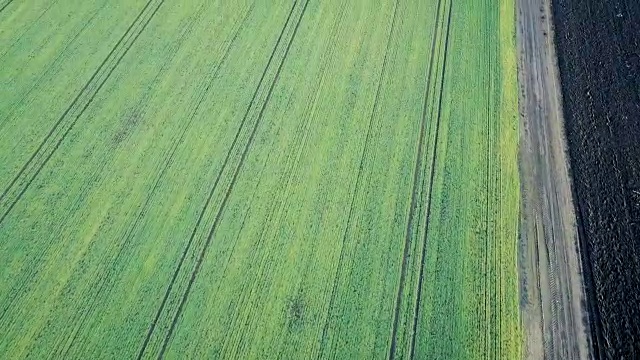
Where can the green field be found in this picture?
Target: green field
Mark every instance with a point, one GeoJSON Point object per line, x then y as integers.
{"type": "Point", "coordinates": [252, 180]}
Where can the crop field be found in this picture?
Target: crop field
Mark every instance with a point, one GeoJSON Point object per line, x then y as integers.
{"type": "Point", "coordinates": [247, 179]}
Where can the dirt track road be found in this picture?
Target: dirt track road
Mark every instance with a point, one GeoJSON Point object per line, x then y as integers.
{"type": "Point", "coordinates": [551, 286]}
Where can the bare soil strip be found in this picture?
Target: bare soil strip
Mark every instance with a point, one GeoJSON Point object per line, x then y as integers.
{"type": "Point", "coordinates": [552, 292]}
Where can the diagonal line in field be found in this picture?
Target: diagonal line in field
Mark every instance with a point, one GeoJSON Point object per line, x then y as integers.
{"type": "Point", "coordinates": [358, 178]}
{"type": "Point", "coordinates": [218, 217]}
{"type": "Point", "coordinates": [179, 139]}
{"type": "Point", "coordinates": [153, 325]}
{"type": "Point", "coordinates": [213, 190]}
{"type": "Point", "coordinates": [414, 192]}
{"type": "Point", "coordinates": [89, 91]}
{"type": "Point", "coordinates": [5, 5]}
{"type": "Point", "coordinates": [431, 181]}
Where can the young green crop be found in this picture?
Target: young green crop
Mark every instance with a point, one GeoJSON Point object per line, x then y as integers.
{"type": "Point", "coordinates": [308, 179]}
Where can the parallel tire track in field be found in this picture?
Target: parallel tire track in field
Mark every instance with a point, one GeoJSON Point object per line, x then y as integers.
{"type": "Point", "coordinates": [431, 181]}
{"type": "Point", "coordinates": [144, 101]}
{"type": "Point", "coordinates": [179, 139]}
{"type": "Point", "coordinates": [51, 142]}
{"type": "Point", "coordinates": [550, 346]}
{"type": "Point", "coordinates": [363, 157]}
{"type": "Point", "coordinates": [211, 193]}
{"type": "Point", "coordinates": [22, 285]}
{"type": "Point", "coordinates": [415, 189]}
{"type": "Point", "coordinates": [4, 6]}
{"type": "Point", "coordinates": [291, 161]}
{"type": "Point", "coordinates": [486, 229]}
{"type": "Point", "coordinates": [97, 74]}
{"type": "Point", "coordinates": [218, 217]}
{"type": "Point", "coordinates": [213, 189]}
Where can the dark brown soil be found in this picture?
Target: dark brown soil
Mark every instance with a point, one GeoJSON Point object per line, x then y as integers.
{"type": "Point", "coordinates": [599, 60]}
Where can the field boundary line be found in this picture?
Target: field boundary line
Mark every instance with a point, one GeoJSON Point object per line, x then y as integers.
{"type": "Point", "coordinates": [91, 93]}
{"type": "Point", "coordinates": [218, 217]}
{"type": "Point", "coordinates": [414, 195]}
{"type": "Point", "coordinates": [365, 150]}
{"type": "Point", "coordinates": [431, 181]}
{"type": "Point", "coordinates": [167, 294]}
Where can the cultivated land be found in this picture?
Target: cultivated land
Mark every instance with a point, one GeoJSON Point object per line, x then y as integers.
{"type": "Point", "coordinates": [599, 62]}
{"type": "Point", "coordinates": [215, 179]}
